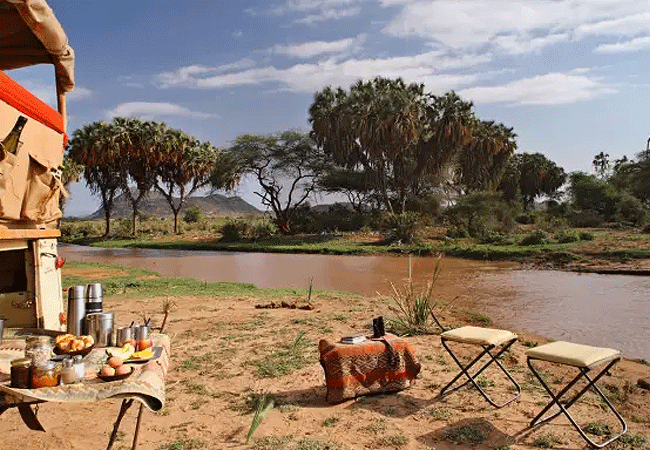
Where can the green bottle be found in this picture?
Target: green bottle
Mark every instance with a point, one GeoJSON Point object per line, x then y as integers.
{"type": "Point", "coordinates": [11, 142]}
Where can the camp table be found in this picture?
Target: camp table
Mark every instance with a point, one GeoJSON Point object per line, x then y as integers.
{"type": "Point", "coordinates": [146, 384]}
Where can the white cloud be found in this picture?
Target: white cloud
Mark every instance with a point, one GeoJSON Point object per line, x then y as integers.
{"type": "Point", "coordinates": [185, 75]}
{"type": "Point", "coordinates": [625, 47]}
{"type": "Point", "coordinates": [79, 93]}
{"type": "Point", "coordinates": [548, 89]}
{"type": "Point", "coordinates": [329, 14]}
{"type": "Point", "coordinates": [315, 48]}
{"type": "Point", "coordinates": [425, 68]}
{"type": "Point", "coordinates": [153, 109]}
{"type": "Point", "coordinates": [319, 10]}
{"type": "Point", "coordinates": [515, 27]}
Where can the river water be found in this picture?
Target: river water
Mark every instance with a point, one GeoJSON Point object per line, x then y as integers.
{"type": "Point", "coordinates": [601, 310]}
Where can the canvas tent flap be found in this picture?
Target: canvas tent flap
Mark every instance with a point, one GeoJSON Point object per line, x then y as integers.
{"type": "Point", "coordinates": [30, 34]}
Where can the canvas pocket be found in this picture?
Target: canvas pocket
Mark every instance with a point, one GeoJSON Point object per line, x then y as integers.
{"type": "Point", "coordinates": [9, 202]}
{"type": "Point", "coordinates": [41, 202]}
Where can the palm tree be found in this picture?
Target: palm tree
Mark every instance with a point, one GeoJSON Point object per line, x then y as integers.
{"type": "Point", "coordinates": [482, 161]}
{"type": "Point", "coordinates": [376, 126]}
{"type": "Point", "coordinates": [141, 149]}
{"type": "Point", "coordinates": [187, 162]}
{"type": "Point", "coordinates": [92, 146]}
{"type": "Point", "coordinates": [71, 173]}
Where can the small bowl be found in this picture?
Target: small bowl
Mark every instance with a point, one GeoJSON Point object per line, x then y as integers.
{"type": "Point", "coordinates": [115, 377]}
{"type": "Point", "coordinates": [82, 352]}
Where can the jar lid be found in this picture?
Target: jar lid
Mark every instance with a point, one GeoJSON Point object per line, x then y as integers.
{"type": "Point", "coordinates": [46, 365]}
{"type": "Point", "coordinates": [67, 362]}
{"type": "Point", "coordinates": [34, 340]}
{"type": "Point", "coordinates": [78, 359]}
{"type": "Point", "coordinates": [21, 362]}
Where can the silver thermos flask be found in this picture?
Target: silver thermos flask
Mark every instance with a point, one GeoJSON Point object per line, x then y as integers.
{"type": "Point", "coordinates": [76, 310]}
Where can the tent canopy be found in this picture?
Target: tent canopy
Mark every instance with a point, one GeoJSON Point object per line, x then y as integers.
{"type": "Point", "coordinates": [30, 34]}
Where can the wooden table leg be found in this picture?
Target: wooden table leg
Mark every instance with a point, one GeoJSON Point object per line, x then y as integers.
{"type": "Point", "coordinates": [137, 427]}
{"type": "Point", "coordinates": [126, 404]}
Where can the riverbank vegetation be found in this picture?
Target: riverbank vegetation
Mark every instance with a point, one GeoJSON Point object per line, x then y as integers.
{"type": "Point", "coordinates": [420, 174]}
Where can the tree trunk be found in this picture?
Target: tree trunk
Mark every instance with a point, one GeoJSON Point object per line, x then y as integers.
{"type": "Point", "coordinates": [176, 212]}
{"type": "Point", "coordinates": [135, 221]}
{"type": "Point", "coordinates": [107, 217]}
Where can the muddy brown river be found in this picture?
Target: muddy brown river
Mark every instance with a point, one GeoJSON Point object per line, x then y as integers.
{"type": "Point", "coordinates": [602, 310]}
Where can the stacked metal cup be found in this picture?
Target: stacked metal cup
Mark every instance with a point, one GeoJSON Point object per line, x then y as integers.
{"type": "Point", "coordinates": [76, 310]}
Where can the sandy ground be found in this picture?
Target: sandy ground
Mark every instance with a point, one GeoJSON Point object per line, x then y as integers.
{"type": "Point", "coordinates": [219, 345]}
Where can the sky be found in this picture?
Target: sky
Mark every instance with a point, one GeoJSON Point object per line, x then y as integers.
{"type": "Point", "coordinates": [570, 76]}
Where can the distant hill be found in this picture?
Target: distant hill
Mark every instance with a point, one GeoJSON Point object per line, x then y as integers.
{"type": "Point", "coordinates": [213, 205]}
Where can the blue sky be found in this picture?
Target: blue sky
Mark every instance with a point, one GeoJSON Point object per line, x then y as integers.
{"type": "Point", "coordinates": [571, 76]}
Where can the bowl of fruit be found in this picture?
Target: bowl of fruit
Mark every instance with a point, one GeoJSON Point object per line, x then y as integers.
{"type": "Point", "coordinates": [115, 370]}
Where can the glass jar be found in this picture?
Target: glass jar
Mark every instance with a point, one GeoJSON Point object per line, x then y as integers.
{"type": "Point", "coordinates": [68, 374]}
{"type": "Point", "coordinates": [46, 374]}
{"type": "Point", "coordinates": [38, 349]}
{"type": "Point", "coordinates": [21, 377]}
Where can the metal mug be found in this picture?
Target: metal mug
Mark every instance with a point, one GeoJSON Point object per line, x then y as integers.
{"type": "Point", "coordinates": [141, 332]}
{"type": "Point", "coordinates": [124, 334]}
{"type": "Point", "coordinates": [100, 327]}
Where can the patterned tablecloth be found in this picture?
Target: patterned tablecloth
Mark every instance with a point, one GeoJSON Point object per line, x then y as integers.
{"type": "Point", "coordinates": [387, 364]}
{"type": "Point", "coordinates": [146, 384]}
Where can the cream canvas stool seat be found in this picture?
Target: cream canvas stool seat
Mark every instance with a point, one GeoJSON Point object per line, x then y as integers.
{"type": "Point", "coordinates": [584, 358]}
{"type": "Point", "coordinates": [488, 339]}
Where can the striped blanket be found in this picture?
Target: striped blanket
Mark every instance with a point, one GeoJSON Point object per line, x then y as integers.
{"type": "Point", "coordinates": [387, 364]}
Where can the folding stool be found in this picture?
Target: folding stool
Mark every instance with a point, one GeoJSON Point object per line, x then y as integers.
{"type": "Point", "coordinates": [488, 339]}
{"type": "Point", "coordinates": [584, 358]}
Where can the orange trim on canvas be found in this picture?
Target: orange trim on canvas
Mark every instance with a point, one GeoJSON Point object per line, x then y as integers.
{"type": "Point", "coordinates": [24, 101]}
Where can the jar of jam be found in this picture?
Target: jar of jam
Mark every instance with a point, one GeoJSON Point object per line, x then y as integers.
{"type": "Point", "coordinates": [21, 377]}
{"type": "Point", "coordinates": [46, 374]}
{"type": "Point", "coordinates": [38, 349]}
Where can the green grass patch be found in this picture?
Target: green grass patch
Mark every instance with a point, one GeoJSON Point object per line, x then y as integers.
{"type": "Point", "coordinates": [288, 358]}
{"type": "Point", "coordinates": [466, 434]}
{"type": "Point", "coordinates": [133, 282]}
{"type": "Point", "coordinates": [184, 444]}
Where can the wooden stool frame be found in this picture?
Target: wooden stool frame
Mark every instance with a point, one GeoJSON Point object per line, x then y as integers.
{"type": "Point", "coordinates": [564, 408]}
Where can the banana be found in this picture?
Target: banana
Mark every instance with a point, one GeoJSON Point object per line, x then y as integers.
{"type": "Point", "coordinates": [124, 353]}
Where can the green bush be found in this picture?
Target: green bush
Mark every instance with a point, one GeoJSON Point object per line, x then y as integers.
{"type": "Point", "coordinates": [495, 238]}
{"type": "Point", "coordinates": [566, 236]}
{"type": "Point", "coordinates": [234, 230]}
{"type": "Point", "coordinates": [586, 236]}
{"type": "Point", "coordinates": [456, 231]}
{"type": "Point", "coordinates": [481, 212]}
{"type": "Point", "coordinates": [262, 230]}
{"type": "Point", "coordinates": [585, 219]}
{"type": "Point", "coordinates": [402, 228]}
{"type": "Point", "coordinates": [193, 215]}
{"type": "Point", "coordinates": [527, 218]}
{"type": "Point", "coordinates": [537, 237]}
{"type": "Point", "coordinates": [630, 210]}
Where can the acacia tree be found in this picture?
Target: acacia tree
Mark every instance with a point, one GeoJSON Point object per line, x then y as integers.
{"type": "Point", "coordinates": [92, 147]}
{"type": "Point", "coordinates": [186, 168]}
{"type": "Point", "coordinates": [285, 166]}
{"type": "Point", "coordinates": [403, 137]}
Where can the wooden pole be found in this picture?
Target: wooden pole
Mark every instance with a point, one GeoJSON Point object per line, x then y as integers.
{"type": "Point", "coordinates": [61, 103]}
